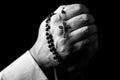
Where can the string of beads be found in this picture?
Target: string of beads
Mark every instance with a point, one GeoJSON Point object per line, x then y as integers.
{"type": "Point", "coordinates": [50, 40]}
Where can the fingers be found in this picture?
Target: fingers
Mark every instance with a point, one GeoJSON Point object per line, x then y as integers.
{"type": "Point", "coordinates": [68, 11]}
{"type": "Point", "coordinates": [82, 33]}
{"type": "Point", "coordinates": [79, 32]}
{"type": "Point", "coordinates": [91, 41]}
{"type": "Point", "coordinates": [79, 21]}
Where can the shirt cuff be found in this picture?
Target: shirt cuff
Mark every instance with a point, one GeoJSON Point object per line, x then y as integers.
{"type": "Point", "coordinates": [23, 68]}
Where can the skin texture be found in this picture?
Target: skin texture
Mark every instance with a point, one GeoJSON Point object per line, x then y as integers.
{"type": "Point", "coordinates": [78, 34]}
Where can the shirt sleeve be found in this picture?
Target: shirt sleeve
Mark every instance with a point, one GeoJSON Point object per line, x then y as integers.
{"type": "Point", "coordinates": [23, 68]}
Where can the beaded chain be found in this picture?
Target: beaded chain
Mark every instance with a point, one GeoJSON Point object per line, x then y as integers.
{"type": "Point", "coordinates": [50, 40]}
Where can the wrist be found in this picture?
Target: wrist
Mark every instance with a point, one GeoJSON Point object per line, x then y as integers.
{"type": "Point", "coordinates": [47, 71]}
{"type": "Point", "coordinates": [32, 52]}
{"type": "Point", "coordinates": [40, 60]}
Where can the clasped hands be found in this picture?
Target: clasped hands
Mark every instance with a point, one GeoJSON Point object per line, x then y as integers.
{"type": "Point", "coordinates": [72, 29]}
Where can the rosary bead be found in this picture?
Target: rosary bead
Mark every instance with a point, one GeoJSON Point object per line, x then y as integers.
{"type": "Point", "coordinates": [47, 37]}
{"type": "Point", "coordinates": [55, 52]}
{"type": "Point", "coordinates": [52, 49]}
{"type": "Point", "coordinates": [51, 39]}
{"type": "Point", "coordinates": [46, 29]}
{"type": "Point", "coordinates": [51, 45]}
{"type": "Point", "coordinates": [47, 34]}
{"type": "Point", "coordinates": [49, 42]}
{"type": "Point", "coordinates": [47, 25]}
{"type": "Point", "coordinates": [50, 36]}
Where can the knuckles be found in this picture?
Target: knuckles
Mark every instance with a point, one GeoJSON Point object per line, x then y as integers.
{"type": "Point", "coordinates": [74, 9]}
{"type": "Point", "coordinates": [71, 10]}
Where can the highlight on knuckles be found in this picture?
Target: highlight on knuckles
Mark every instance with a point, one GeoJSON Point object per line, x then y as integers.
{"type": "Point", "coordinates": [68, 11]}
{"type": "Point", "coordinates": [78, 22]}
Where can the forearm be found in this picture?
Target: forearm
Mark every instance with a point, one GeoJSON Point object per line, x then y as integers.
{"type": "Point", "coordinates": [24, 68]}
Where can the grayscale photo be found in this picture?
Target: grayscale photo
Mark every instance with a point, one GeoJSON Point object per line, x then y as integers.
{"type": "Point", "coordinates": [52, 40]}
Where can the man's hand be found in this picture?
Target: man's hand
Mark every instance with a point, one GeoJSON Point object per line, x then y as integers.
{"type": "Point", "coordinates": [73, 31]}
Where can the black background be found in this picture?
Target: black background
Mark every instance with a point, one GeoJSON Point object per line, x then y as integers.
{"type": "Point", "coordinates": [20, 24]}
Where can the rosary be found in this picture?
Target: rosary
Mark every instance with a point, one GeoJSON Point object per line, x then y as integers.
{"type": "Point", "coordinates": [50, 42]}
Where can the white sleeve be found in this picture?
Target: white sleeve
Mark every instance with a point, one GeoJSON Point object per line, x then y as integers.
{"type": "Point", "coordinates": [24, 68]}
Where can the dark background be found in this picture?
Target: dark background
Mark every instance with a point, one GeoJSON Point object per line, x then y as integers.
{"type": "Point", "coordinates": [20, 24]}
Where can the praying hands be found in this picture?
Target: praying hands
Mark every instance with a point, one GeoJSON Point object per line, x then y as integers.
{"type": "Point", "coordinates": [66, 41]}
{"type": "Point", "coordinates": [63, 35]}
